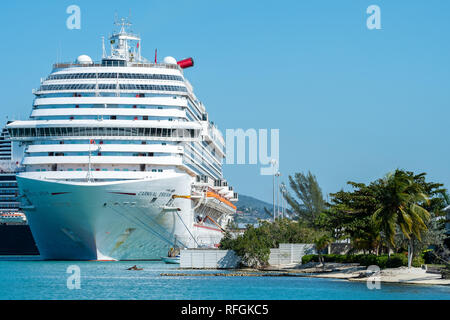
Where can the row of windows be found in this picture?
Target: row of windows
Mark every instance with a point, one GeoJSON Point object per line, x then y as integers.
{"type": "Point", "coordinates": [106, 117]}
{"type": "Point", "coordinates": [200, 171]}
{"type": "Point", "coordinates": [88, 86]}
{"type": "Point", "coordinates": [151, 87]}
{"type": "Point", "coordinates": [93, 106]}
{"type": "Point", "coordinates": [8, 184]}
{"type": "Point", "coordinates": [7, 192]}
{"type": "Point", "coordinates": [104, 169]}
{"type": "Point", "coordinates": [199, 162]}
{"type": "Point", "coordinates": [100, 131]}
{"type": "Point", "coordinates": [114, 75]}
{"type": "Point", "coordinates": [102, 94]}
{"type": "Point", "coordinates": [7, 178]}
{"type": "Point", "coordinates": [203, 157]}
{"type": "Point", "coordinates": [99, 153]}
{"type": "Point", "coordinates": [6, 205]}
{"type": "Point", "coordinates": [125, 142]}
{"type": "Point", "coordinates": [8, 199]}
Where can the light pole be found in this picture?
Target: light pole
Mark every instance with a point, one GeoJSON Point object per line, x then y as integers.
{"type": "Point", "coordinates": [273, 162]}
{"type": "Point", "coordinates": [278, 174]}
{"type": "Point", "coordinates": [283, 200]}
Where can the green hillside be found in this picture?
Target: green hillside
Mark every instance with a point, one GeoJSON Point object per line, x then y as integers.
{"type": "Point", "coordinates": [250, 209]}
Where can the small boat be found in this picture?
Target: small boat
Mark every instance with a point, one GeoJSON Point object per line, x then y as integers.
{"type": "Point", "coordinates": [171, 260]}
{"type": "Point", "coordinates": [173, 256]}
{"type": "Point", "coordinates": [135, 268]}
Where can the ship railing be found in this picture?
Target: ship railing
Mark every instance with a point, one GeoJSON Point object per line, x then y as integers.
{"type": "Point", "coordinates": [62, 65]}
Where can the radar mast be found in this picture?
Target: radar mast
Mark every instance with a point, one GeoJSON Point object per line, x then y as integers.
{"type": "Point", "coordinates": [124, 44]}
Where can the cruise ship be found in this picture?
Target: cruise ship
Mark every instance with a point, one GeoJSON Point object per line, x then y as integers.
{"type": "Point", "coordinates": [120, 160]}
{"type": "Point", "coordinates": [10, 212]}
{"type": "Point", "coordinates": [15, 236]}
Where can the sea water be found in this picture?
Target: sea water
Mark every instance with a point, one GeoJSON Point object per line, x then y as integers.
{"type": "Point", "coordinates": [112, 280]}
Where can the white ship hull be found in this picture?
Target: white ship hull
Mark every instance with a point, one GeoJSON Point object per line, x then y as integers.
{"type": "Point", "coordinates": [112, 221]}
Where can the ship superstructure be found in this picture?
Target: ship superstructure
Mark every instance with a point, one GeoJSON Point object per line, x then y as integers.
{"type": "Point", "coordinates": [10, 212]}
{"type": "Point", "coordinates": [120, 159]}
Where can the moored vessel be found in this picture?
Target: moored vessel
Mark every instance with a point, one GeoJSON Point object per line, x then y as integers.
{"type": "Point", "coordinates": [15, 235]}
{"type": "Point", "coordinates": [120, 159]}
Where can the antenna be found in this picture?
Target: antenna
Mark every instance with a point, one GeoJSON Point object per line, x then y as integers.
{"type": "Point", "coordinates": [123, 22]}
{"type": "Point", "coordinates": [139, 50]}
{"type": "Point", "coordinates": [103, 47]}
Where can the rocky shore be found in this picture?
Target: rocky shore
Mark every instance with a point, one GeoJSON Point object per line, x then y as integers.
{"type": "Point", "coordinates": [355, 272]}
{"type": "Point", "coordinates": [347, 271]}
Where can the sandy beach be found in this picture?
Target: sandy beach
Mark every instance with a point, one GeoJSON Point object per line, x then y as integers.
{"type": "Point", "coordinates": [355, 272]}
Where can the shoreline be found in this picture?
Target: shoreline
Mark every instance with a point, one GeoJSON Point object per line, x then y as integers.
{"type": "Point", "coordinates": [357, 273]}
{"type": "Point", "coordinates": [349, 272]}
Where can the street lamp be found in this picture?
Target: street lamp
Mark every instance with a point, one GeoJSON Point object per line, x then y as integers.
{"type": "Point", "coordinates": [278, 174]}
{"type": "Point", "coordinates": [273, 162]}
{"type": "Point", "coordinates": [283, 200]}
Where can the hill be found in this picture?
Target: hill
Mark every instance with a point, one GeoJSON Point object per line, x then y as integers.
{"type": "Point", "coordinates": [250, 209]}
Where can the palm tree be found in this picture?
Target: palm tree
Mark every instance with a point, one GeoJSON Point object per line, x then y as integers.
{"type": "Point", "coordinates": [322, 240]}
{"type": "Point", "coordinates": [400, 198]}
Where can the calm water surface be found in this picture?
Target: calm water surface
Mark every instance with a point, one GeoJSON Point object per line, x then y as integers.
{"type": "Point", "coordinates": [111, 280]}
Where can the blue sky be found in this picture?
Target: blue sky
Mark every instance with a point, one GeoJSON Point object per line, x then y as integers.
{"type": "Point", "coordinates": [350, 103]}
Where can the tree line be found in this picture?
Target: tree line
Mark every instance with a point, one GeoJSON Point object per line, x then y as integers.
{"type": "Point", "coordinates": [401, 211]}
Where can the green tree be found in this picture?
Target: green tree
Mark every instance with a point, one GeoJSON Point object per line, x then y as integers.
{"type": "Point", "coordinates": [322, 240]}
{"type": "Point", "coordinates": [254, 245]}
{"type": "Point", "coordinates": [350, 213]}
{"type": "Point", "coordinates": [400, 196]}
{"type": "Point", "coordinates": [310, 203]}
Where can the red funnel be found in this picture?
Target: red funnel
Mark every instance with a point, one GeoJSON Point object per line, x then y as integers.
{"type": "Point", "coordinates": [186, 63]}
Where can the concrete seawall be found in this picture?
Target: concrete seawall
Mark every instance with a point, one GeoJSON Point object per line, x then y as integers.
{"type": "Point", "coordinates": [208, 259]}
